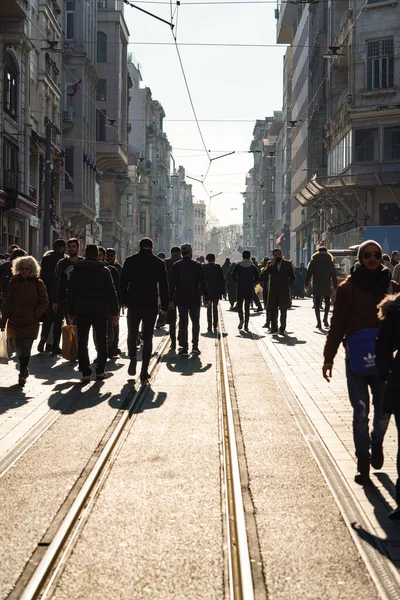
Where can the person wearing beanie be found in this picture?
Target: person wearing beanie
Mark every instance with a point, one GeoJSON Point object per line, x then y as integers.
{"type": "Point", "coordinates": [355, 323]}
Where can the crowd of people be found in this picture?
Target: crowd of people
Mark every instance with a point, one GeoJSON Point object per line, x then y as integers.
{"type": "Point", "coordinates": [89, 292]}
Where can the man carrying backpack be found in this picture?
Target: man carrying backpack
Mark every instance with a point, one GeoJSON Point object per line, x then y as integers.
{"type": "Point", "coordinates": [355, 323]}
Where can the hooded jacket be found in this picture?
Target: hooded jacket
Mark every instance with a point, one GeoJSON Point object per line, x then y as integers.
{"type": "Point", "coordinates": [246, 276]}
{"type": "Point", "coordinates": [322, 271]}
{"type": "Point", "coordinates": [91, 290]}
{"type": "Point", "coordinates": [387, 343]}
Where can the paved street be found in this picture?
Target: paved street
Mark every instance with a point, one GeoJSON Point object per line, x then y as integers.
{"type": "Point", "coordinates": [156, 529]}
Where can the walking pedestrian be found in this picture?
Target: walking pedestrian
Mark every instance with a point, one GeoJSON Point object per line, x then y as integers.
{"type": "Point", "coordinates": [112, 324]}
{"type": "Point", "coordinates": [6, 271]}
{"type": "Point", "coordinates": [396, 273]}
{"type": "Point", "coordinates": [26, 301]}
{"type": "Point", "coordinates": [245, 274]}
{"type": "Point", "coordinates": [322, 272]}
{"type": "Point", "coordinates": [281, 277]}
{"type": "Point", "coordinates": [91, 299]}
{"type": "Point", "coordinates": [264, 281]}
{"type": "Point", "coordinates": [47, 270]}
{"type": "Point", "coordinates": [388, 366]}
{"type": "Point", "coordinates": [161, 319]}
{"type": "Point", "coordinates": [231, 287]}
{"type": "Point", "coordinates": [143, 280]}
{"type": "Point", "coordinates": [62, 274]}
{"type": "Point", "coordinates": [355, 323]}
{"type": "Point", "coordinates": [111, 260]}
{"type": "Point", "coordinates": [299, 283]}
{"type": "Point", "coordinates": [171, 315]}
{"type": "Point", "coordinates": [216, 289]}
{"type": "Point", "coordinates": [387, 263]}
{"type": "Point", "coordinates": [188, 285]}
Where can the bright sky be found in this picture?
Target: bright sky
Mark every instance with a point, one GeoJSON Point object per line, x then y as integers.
{"type": "Point", "coordinates": [226, 83]}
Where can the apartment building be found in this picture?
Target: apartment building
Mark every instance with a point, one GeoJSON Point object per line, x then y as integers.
{"type": "Point", "coordinates": [30, 90]}
{"type": "Point", "coordinates": [182, 209]}
{"type": "Point", "coordinates": [199, 228]}
{"type": "Point", "coordinates": [79, 180]}
{"type": "Point", "coordinates": [112, 122]}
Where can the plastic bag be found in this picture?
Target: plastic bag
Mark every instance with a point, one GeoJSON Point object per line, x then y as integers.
{"type": "Point", "coordinates": [3, 347]}
{"type": "Point", "coordinates": [69, 342]}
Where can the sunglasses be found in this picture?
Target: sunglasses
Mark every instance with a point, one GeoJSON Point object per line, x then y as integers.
{"type": "Point", "coordinates": [376, 255]}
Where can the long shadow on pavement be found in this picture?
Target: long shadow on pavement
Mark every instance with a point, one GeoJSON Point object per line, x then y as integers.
{"type": "Point", "coordinates": [287, 340]}
{"type": "Point", "coordinates": [186, 366]}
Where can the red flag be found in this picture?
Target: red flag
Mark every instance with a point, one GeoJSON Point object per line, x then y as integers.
{"type": "Point", "coordinates": [75, 88]}
{"type": "Point", "coordinates": [67, 175]}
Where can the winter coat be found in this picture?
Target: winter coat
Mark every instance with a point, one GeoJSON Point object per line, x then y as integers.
{"type": "Point", "coordinates": [354, 309]}
{"type": "Point", "coordinates": [188, 283]}
{"type": "Point", "coordinates": [143, 280]}
{"type": "Point", "coordinates": [91, 290]}
{"type": "Point", "coordinates": [387, 343]}
{"type": "Point", "coordinates": [280, 282]}
{"type": "Point", "coordinates": [322, 271]}
{"type": "Point", "coordinates": [26, 301]}
{"type": "Point", "coordinates": [62, 274]}
{"type": "Point", "coordinates": [246, 276]}
{"type": "Point", "coordinates": [215, 280]}
{"type": "Point", "coordinates": [48, 267]}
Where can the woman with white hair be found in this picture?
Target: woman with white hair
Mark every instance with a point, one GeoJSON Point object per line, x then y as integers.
{"type": "Point", "coordinates": [26, 301]}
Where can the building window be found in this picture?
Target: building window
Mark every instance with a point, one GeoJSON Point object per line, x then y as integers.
{"type": "Point", "coordinates": [101, 3]}
{"type": "Point", "coordinates": [101, 90]}
{"type": "Point", "coordinates": [129, 205]}
{"type": "Point", "coordinates": [101, 47]}
{"type": "Point", "coordinates": [69, 168]}
{"type": "Point", "coordinates": [391, 143]}
{"type": "Point", "coordinates": [10, 86]}
{"type": "Point", "coordinates": [389, 214]}
{"type": "Point", "coordinates": [70, 20]}
{"type": "Point", "coordinates": [366, 145]}
{"type": "Point", "coordinates": [10, 166]}
{"type": "Point", "coordinates": [101, 118]}
{"type": "Point", "coordinates": [380, 64]}
{"type": "Point", "coordinates": [142, 221]}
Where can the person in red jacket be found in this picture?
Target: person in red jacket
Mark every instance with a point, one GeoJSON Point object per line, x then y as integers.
{"type": "Point", "coordinates": [355, 315]}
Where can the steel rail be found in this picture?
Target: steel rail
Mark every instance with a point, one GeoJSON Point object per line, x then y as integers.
{"type": "Point", "coordinates": [87, 494]}
{"type": "Point", "coordinates": [239, 565]}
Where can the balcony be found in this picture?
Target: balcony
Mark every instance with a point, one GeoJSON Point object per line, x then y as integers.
{"type": "Point", "coordinates": [67, 118]}
{"type": "Point", "coordinates": [286, 22]}
{"type": "Point", "coordinates": [14, 8]}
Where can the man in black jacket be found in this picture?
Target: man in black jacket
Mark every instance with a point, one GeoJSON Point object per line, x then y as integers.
{"type": "Point", "coordinates": [111, 260]}
{"type": "Point", "coordinates": [112, 328]}
{"type": "Point", "coordinates": [246, 276]}
{"type": "Point", "coordinates": [62, 274]}
{"type": "Point", "coordinates": [171, 316]}
{"type": "Point", "coordinates": [91, 298]}
{"type": "Point", "coordinates": [216, 289]}
{"type": "Point", "coordinates": [188, 284]}
{"type": "Point", "coordinates": [143, 279]}
{"type": "Point", "coordinates": [47, 270]}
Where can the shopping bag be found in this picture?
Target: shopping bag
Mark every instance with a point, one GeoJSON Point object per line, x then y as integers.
{"type": "Point", "coordinates": [69, 342]}
{"type": "Point", "coordinates": [3, 348]}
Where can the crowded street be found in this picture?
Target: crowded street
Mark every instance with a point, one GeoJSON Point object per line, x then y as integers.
{"type": "Point", "coordinates": [156, 527]}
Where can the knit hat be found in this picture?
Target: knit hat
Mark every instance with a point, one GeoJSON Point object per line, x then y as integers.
{"type": "Point", "coordinates": [362, 247]}
{"type": "Point", "coordinates": [186, 248]}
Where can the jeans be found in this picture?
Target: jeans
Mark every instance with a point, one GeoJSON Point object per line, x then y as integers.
{"type": "Point", "coordinates": [99, 324]}
{"type": "Point", "coordinates": [184, 311]}
{"type": "Point", "coordinates": [148, 322]}
{"type": "Point", "coordinates": [360, 401]}
{"type": "Point", "coordinates": [317, 306]}
{"type": "Point", "coordinates": [212, 314]}
{"type": "Point", "coordinates": [247, 301]}
{"type": "Point", "coordinates": [274, 316]}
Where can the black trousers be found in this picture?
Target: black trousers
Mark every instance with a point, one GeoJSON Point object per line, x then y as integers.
{"type": "Point", "coordinates": [317, 306]}
{"type": "Point", "coordinates": [58, 319]}
{"type": "Point", "coordinates": [274, 317]}
{"type": "Point", "coordinates": [247, 302]}
{"type": "Point", "coordinates": [256, 301]}
{"type": "Point", "coordinates": [48, 319]}
{"type": "Point", "coordinates": [148, 322]}
{"type": "Point", "coordinates": [99, 324]}
{"type": "Point", "coordinates": [172, 326]}
{"type": "Point", "coordinates": [184, 311]}
{"type": "Point", "coordinates": [212, 314]}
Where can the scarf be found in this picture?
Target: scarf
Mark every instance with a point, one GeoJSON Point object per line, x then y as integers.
{"type": "Point", "coordinates": [374, 282]}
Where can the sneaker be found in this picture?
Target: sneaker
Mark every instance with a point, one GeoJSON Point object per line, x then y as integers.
{"type": "Point", "coordinates": [240, 324]}
{"type": "Point", "coordinates": [183, 352]}
{"type": "Point", "coordinates": [132, 367]}
{"type": "Point", "coordinates": [196, 351]}
{"type": "Point", "coordinates": [41, 345]}
{"type": "Point", "coordinates": [100, 376]}
{"type": "Point", "coordinates": [85, 378]}
{"type": "Point", "coordinates": [377, 457]}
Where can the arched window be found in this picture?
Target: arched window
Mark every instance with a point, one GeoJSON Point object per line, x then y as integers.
{"type": "Point", "coordinates": [101, 47]}
{"type": "Point", "coordinates": [10, 86]}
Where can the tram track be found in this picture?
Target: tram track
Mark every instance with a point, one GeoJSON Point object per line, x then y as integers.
{"type": "Point", "coordinates": [51, 554]}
